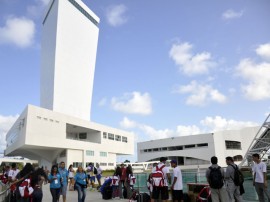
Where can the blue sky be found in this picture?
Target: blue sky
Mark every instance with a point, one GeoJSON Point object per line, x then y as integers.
{"type": "Point", "coordinates": [163, 69]}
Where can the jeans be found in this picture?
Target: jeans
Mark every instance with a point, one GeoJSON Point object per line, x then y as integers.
{"type": "Point", "coordinates": [81, 193]}
{"type": "Point", "coordinates": [261, 190]}
{"type": "Point", "coordinates": [55, 194]}
{"type": "Point", "coordinates": [37, 195]}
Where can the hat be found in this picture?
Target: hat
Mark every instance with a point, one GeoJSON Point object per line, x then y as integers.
{"type": "Point", "coordinates": [174, 161]}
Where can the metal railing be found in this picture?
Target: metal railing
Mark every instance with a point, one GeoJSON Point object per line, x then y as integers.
{"type": "Point", "coordinates": [260, 144]}
{"type": "Point", "coordinates": [4, 192]}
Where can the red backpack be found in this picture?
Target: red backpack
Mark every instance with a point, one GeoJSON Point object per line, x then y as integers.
{"type": "Point", "coordinates": [158, 177]}
{"type": "Point", "coordinates": [25, 189]}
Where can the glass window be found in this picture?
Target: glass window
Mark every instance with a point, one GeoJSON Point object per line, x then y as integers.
{"type": "Point", "coordinates": [90, 153]}
{"type": "Point", "coordinates": [232, 144]}
{"type": "Point", "coordinates": [117, 137]}
{"type": "Point", "coordinates": [103, 164]}
{"type": "Point", "coordinates": [203, 145]}
{"type": "Point", "coordinates": [111, 164]}
{"type": "Point", "coordinates": [104, 135]}
{"type": "Point", "coordinates": [110, 136]}
{"type": "Point", "coordinates": [103, 154]}
{"type": "Point", "coordinates": [124, 139]}
{"type": "Point", "coordinates": [77, 164]}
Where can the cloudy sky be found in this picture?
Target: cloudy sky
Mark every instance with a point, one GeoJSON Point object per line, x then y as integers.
{"type": "Point", "coordinates": [163, 69]}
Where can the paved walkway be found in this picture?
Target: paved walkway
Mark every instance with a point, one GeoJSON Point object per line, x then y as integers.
{"type": "Point", "coordinates": [72, 196]}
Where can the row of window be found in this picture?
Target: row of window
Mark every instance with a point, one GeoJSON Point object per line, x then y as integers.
{"type": "Point", "coordinates": [174, 148]}
{"type": "Point", "coordinates": [46, 119]}
{"type": "Point", "coordinates": [84, 12]}
{"type": "Point", "coordinates": [92, 153]}
{"type": "Point", "coordinates": [118, 138]}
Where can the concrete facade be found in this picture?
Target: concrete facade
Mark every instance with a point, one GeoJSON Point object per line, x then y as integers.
{"type": "Point", "coordinates": [51, 137]}
{"type": "Point", "coordinates": [68, 56]}
{"type": "Point", "coordinates": [196, 150]}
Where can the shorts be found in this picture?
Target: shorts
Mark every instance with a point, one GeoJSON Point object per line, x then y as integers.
{"type": "Point", "coordinates": [177, 195]}
{"type": "Point", "coordinates": [63, 190]}
{"type": "Point", "coordinates": [92, 178]}
{"type": "Point", "coordinates": [98, 176]}
{"type": "Point", "coordinates": [160, 190]}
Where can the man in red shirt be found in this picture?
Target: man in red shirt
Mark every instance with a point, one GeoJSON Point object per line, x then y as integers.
{"type": "Point", "coordinates": [122, 183]}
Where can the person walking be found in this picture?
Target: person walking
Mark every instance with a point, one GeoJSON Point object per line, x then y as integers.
{"type": "Point", "coordinates": [177, 184]}
{"type": "Point", "coordinates": [81, 181]}
{"type": "Point", "coordinates": [160, 187]}
{"type": "Point", "coordinates": [260, 178]}
{"type": "Point", "coordinates": [54, 179]}
{"type": "Point", "coordinates": [116, 184]}
{"type": "Point", "coordinates": [232, 190]}
{"type": "Point", "coordinates": [99, 175]}
{"type": "Point", "coordinates": [12, 178]}
{"type": "Point", "coordinates": [123, 191]}
{"type": "Point", "coordinates": [71, 177]}
{"type": "Point", "coordinates": [64, 180]}
{"type": "Point", "coordinates": [130, 181]}
{"type": "Point", "coordinates": [215, 178]}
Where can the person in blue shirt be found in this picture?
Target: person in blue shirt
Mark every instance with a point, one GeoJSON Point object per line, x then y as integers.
{"type": "Point", "coordinates": [64, 176]}
{"type": "Point", "coordinates": [81, 182]}
{"type": "Point", "coordinates": [54, 179]}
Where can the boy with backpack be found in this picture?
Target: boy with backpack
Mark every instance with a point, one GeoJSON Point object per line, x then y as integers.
{"type": "Point", "coordinates": [233, 180]}
{"type": "Point", "coordinates": [160, 176]}
{"type": "Point", "coordinates": [215, 178]}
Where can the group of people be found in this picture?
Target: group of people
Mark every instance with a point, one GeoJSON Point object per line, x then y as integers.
{"type": "Point", "coordinates": [228, 186]}
{"type": "Point", "coordinates": [26, 184]}
{"type": "Point", "coordinates": [79, 180]}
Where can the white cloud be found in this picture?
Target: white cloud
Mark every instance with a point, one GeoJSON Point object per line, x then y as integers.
{"type": "Point", "coordinates": [5, 124]}
{"type": "Point", "coordinates": [256, 75]}
{"type": "Point", "coordinates": [189, 63]}
{"type": "Point", "coordinates": [187, 130]}
{"type": "Point", "coordinates": [264, 51]}
{"type": "Point", "coordinates": [217, 123]}
{"type": "Point", "coordinates": [133, 103]}
{"type": "Point", "coordinates": [126, 123]}
{"type": "Point", "coordinates": [206, 125]}
{"type": "Point", "coordinates": [201, 94]}
{"type": "Point", "coordinates": [116, 15]}
{"type": "Point", "coordinates": [231, 14]}
{"type": "Point", "coordinates": [18, 31]}
{"type": "Point", "coordinates": [102, 102]}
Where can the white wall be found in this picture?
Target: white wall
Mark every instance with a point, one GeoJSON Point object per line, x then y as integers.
{"type": "Point", "coordinates": [68, 60]}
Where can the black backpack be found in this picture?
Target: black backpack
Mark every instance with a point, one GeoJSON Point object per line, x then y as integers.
{"type": "Point", "coordinates": [215, 178]}
{"type": "Point", "coordinates": [95, 170]}
{"type": "Point", "coordinates": [238, 178]}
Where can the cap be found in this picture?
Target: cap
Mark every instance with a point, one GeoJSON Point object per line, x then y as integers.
{"type": "Point", "coordinates": [173, 161]}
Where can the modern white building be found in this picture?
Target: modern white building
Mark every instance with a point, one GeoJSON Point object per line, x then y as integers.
{"type": "Point", "coordinates": [61, 130]}
{"type": "Point", "coordinates": [196, 150]}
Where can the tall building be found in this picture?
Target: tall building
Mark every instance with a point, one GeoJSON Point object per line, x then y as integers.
{"type": "Point", "coordinates": [60, 129]}
{"type": "Point", "coordinates": [68, 57]}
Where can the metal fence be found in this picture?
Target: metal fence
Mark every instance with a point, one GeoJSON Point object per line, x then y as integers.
{"type": "Point", "coordinates": [4, 192]}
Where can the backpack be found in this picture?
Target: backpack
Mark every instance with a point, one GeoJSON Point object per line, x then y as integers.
{"type": "Point", "coordinates": [95, 170]}
{"type": "Point", "coordinates": [131, 179]}
{"type": "Point", "coordinates": [158, 177]}
{"type": "Point", "coordinates": [238, 178]}
{"type": "Point", "coordinates": [25, 189]}
{"type": "Point", "coordinates": [215, 178]}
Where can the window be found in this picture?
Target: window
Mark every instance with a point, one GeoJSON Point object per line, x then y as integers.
{"type": "Point", "coordinates": [63, 154]}
{"type": "Point", "coordinates": [110, 136]}
{"type": "Point", "coordinates": [77, 164]}
{"type": "Point", "coordinates": [90, 153]}
{"type": "Point", "coordinates": [82, 135]}
{"type": "Point", "coordinates": [190, 146]}
{"type": "Point", "coordinates": [103, 154]}
{"type": "Point", "coordinates": [104, 135]}
{"type": "Point", "coordinates": [103, 164]}
{"type": "Point", "coordinates": [117, 137]}
{"type": "Point", "coordinates": [203, 145]}
{"type": "Point", "coordinates": [232, 144]}
{"type": "Point", "coordinates": [238, 158]}
{"type": "Point", "coordinates": [110, 164]}
{"type": "Point", "coordinates": [124, 139]}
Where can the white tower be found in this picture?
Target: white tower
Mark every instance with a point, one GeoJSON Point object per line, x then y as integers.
{"type": "Point", "coordinates": [68, 57]}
